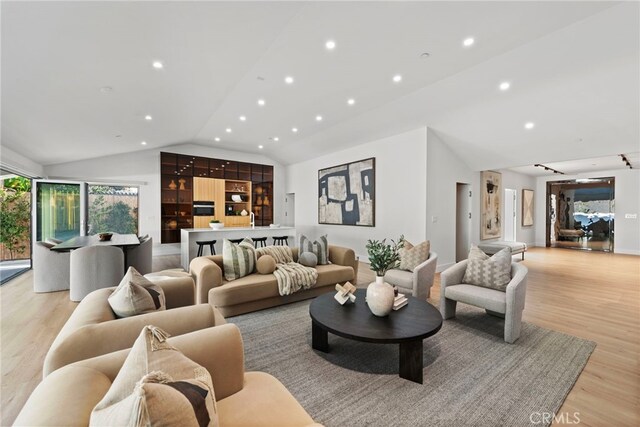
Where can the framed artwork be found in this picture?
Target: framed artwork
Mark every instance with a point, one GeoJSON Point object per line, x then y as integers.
{"type": "Point", "coordinates": [490, 205]}
{"type": "Point", "coordinates": [527, 207]}
{"type": "Point", "coordinates": [346, 194]}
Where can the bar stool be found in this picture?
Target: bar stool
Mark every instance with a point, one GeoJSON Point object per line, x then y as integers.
{"type": "Point", "coordinates": [281, 240]}
{"type": "Point", "coordinates": [261, 240]}
{"type": "Point", "coordinates": [236, 241]}
{"type": "Point", "coordinates": [201, 244]}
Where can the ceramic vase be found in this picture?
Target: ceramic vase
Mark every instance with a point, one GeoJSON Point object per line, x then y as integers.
{"type": "Point", "coordinates": [380, 297]}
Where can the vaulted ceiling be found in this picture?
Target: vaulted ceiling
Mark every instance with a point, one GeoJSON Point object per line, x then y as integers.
{"type": "Point", "coordinates": [573, 69]}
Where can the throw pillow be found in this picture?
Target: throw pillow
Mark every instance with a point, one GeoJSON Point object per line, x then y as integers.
{"type": "Point", "coordinates": [412, 256]}
{"type": "Point", "coordinates": [266, 264]}
{"type": "Point", "coordinates": [136, 295]}
{"type": "Point", "coordinates": [489, 272]}
{"type": "Point", "coordinates": [238, 260]}
{"type": "Point", "coordinates": [308, 259]}
{"type": "Point", "coordinates": [320, 248]}
{"type": "Point", "coordinates": [125, 402]}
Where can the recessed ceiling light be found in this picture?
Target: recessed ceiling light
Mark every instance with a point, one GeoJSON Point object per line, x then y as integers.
{"type": "Point", "coordinates": [318, 118]}
{"type": "Point", "coordinates": [216, 139]}
{"type": "Point", "coordinates": [260, 147]}
{"type": "Point", "coordinates": [242, 118]}
{"type": "Point", "coordinates": [351, 101]}
{"type": "Point", "coordinates": [529, 125]}
{"type": "Point", "coordinates": [275, 138]}
{"type": "Point", "coordinates": [397, 78]}
{"type": "Point", "coordinates": [425, 55]}
{"type": "Point", "coordinates": [261, 102]}
{"type": "Point", "coordinates": [228, 130]}
{"type": "Point", "coordinates": [330, 44]}
{"type": "Point", "coordinates": [158, 65]}
{"type": "Point", "coordinates": [106, 89]}
{"type": "Point", "coordinates": [294, 130]}
{"type": "Point", "coordinates": [288, 80]}
{"type": "Point", "coordinates": [469, 41]}
{"type": "Point", "coordinates": [143, 143]}
{"type": "Point", "coordinates": [505, 85]}
{"type": "Point", "coordinates": [148, 117]}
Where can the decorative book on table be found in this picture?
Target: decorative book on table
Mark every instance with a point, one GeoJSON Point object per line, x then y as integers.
{"type": "Point", "coordinates": [400, 301]}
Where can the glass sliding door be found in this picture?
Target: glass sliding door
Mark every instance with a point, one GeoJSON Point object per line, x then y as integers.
{"type": "Point", "coordinates": [58, 213]}
{"type": "Point", "coordinates": [15, 224]}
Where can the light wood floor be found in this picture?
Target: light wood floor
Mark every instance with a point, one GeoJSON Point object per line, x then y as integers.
{"type": "Point", "coordinates": [595, 296]}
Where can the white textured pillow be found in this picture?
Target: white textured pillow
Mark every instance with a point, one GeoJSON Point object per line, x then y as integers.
{"type": "Point", "coordinates": [141, 393]}
{"type": "Point", "coordinates": [489, 272]}
{"type": "Point", "coordinates": [136, 295]}
{"type": "Point", "coordinates": [412, 256]}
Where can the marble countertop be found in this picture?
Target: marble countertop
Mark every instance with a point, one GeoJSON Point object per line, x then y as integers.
{"type": "Point", "coordinates": [200, 230]}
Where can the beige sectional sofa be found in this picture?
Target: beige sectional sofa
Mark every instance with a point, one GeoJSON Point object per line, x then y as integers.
{"type": "Point", "coordinates": [68, 395]}
{"type": "Point", "coordinates": [93, 329]}
{"type": "Point", "coordinates": [258, 291]}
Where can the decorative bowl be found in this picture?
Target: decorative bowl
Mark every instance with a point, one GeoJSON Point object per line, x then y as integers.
{"type": "Point", "coordinates": [105, 237]}
{"type": "Point", "coordinates": [216, 225]}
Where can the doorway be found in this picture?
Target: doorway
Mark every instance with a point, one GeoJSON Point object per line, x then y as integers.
{"type": "Point", "coordinates": [463, 220]}
{"type": "Point", "coordinates": [290, 210]}
{"type": "Point", "coordinates": [510, 219]}
{"type": "Point", "coordinates": [15, 236]}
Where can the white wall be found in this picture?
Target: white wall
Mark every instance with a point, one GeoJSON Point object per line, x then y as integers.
{"type": "Point", "coordinates": [400, 191]}
{"type": "Point", "coordinates": [143, 168]}
{"type": "Point", "coordinates": [627, 201]}
{"type": "Point", "coordinates": [20, 164]}
{"type": "Point", "coordinates": [518, 182]}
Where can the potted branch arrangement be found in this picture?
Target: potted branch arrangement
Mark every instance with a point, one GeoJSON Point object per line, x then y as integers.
{"type": "Point", "coordinates": [382, 257]}
{"type": "Point", "coordinates": [216, 224]}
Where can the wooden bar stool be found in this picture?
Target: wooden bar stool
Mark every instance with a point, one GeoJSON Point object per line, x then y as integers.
{"type": "Point", "coordinates": [202, 243]}
{"type": "Point", "coordinates": [236, 241]}
{"type": "Point", "coordinates": [281, 240]}
{"type": "Point", "coordinates": [261, 240]}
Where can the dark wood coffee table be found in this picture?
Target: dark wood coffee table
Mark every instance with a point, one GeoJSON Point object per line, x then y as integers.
{"type": "Point", "coordinates": [406, 327]}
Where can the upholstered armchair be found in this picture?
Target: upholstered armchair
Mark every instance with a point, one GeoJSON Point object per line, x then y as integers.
{"type": "Point", "coordinates": [508, 305]}
{"type": "Point", "coordinates": [141, 257]}
{"type": "Point", "coordinates": [417, 282]}
{"type": "Point", "coordinates": [94, 267]}
{"type": "Point", "coordinates": [50, 269]}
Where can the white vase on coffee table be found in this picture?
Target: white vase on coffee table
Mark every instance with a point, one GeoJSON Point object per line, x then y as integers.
{"type": "Point", "coordinates": [380, 297]}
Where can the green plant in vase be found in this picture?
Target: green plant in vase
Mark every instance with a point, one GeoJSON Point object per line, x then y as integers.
{"type": "Point", "coordinates": [382, 258]}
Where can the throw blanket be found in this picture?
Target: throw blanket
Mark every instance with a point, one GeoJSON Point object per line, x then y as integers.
{"type": "Point", "coordinates": [290, 275]}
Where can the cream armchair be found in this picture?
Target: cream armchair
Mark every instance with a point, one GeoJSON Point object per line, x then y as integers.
{"type": "Point", "coordinates": [94, 330]}
{"type": "Point", "coordinates": [417, 282]}
{"type": "Point", "coordinates": [508, 305]}
{"type": "Point", "coordinates": [67, 396]}
{"type": "Point", "coordinates": [50, 268]}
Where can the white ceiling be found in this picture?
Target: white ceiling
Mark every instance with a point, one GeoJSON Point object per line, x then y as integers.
{"type": "Point", "coordinates": [574, 70]}
{"type": "Point", "coordinates": [573, 167]}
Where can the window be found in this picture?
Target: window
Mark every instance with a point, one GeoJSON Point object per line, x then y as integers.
{"type": "Point", "coordinates": [112, 208]}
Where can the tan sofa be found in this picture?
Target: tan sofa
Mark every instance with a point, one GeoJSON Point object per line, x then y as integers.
{"type": "Point", "coordinates": [93, 329]}
{"type": "Point", "coordinates": [259, 291]}
{"type": "Point", "coordinates": [67, 396]}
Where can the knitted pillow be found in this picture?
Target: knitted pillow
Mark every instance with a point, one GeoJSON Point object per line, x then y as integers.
{"type": "Point", "coordinates": [308, 259]}
{"type": "Point", "coordinates": [412, 256]}
{"type": "Point", "coordinates": [320, 248]}
{"type": "Point", "coordinates": [492, 273]}
{"type": "Point", "coordinates": [134, 400]}
{"type": "Point", "coordinates": [238, 260]}
{"type": "Point", "coordinates": [136, 295]}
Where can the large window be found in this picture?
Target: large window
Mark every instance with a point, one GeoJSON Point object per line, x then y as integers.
{"type": "Point", "coordinates": [15, 225]}
{"type": "Point", "coordinates": [58, 210]}
{"type": "Point", "coordinates": [112, 208]}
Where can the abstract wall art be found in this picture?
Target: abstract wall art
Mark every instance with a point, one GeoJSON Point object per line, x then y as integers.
{"type": "Point", "coordinates": [490, 205]}
{"type": "Point", "coordinates": [527, 208]}
{"type": "Point", "coordinates": [346, 194]}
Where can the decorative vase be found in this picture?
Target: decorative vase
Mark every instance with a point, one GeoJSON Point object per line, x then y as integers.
{"type": "Point", "coordinates": [216, 225]}
{"type": "Point", "coordinates": [172, 185]}
{"type": "Point", "coordinates": [380, 297]}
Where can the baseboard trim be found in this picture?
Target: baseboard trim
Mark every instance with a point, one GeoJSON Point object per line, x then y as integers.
{"type": "Point", "coordinates": [626, 251]}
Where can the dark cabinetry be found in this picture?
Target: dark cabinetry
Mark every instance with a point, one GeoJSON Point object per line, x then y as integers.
{"type": "Point", "coordinates": [262, 197]}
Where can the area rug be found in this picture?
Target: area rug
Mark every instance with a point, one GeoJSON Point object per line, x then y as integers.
{"type": "Point", "coordinates": [471, 376]}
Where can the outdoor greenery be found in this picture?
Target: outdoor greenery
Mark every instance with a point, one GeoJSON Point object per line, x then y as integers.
{"type": "Point", "coordinates": [15, 216]}
{"type": "Point", "coordinates": [18, 183]}
{"type": "Point", "coordinates": [214, 221]}
{"type": "Point", "coordinates": [383, 256]}
{"type": "Point", "coordinates": [116, 217]}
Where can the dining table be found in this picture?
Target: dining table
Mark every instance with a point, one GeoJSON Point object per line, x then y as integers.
{"type": "Point", "coordinates": [123, 241]}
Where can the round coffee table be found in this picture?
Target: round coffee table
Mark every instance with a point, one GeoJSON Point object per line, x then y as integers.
{"type": "Point", "coordinates": [406, 327]}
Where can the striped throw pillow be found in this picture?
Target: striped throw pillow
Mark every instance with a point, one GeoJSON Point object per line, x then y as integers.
{"type": "Point", "coordinates": [319, 248]}
{"type": "Point", "coordinates": [492, 273]}
{"type": "Point", "coordinates": [239, 260]}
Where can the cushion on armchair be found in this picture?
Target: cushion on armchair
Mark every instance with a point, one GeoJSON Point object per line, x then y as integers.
{"type": "Point", "coordinates": [136, 295]}
{"type": "Point", "coordinates": [489, 272]}
{"type": "Point", "coordinates": [412, 256]}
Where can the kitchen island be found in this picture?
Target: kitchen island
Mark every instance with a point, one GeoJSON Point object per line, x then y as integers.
{"type": "Point", "coordinates": [189, 236]}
